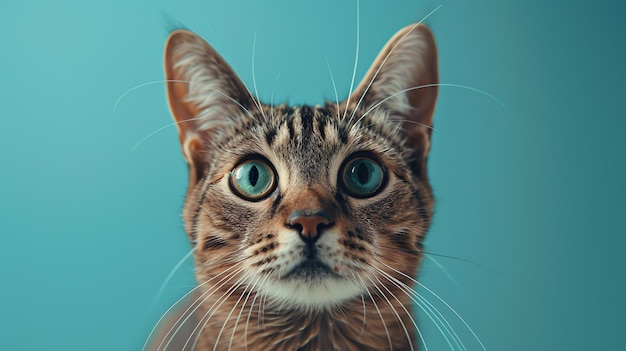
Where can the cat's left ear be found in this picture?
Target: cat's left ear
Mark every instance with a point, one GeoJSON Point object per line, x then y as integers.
{"type": "Point", "coordinates": [205, 96]}
{"type": "Point", "coordinates": [403, 82]}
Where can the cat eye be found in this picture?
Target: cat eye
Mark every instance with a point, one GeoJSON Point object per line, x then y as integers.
{"type": "Point", "coordinates": [362, 176]}
{"type": "Point", "coordinates": [253, 179]}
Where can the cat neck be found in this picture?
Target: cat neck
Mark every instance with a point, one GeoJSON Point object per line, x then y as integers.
{"type": "Point", "coordinates": [373, 322]}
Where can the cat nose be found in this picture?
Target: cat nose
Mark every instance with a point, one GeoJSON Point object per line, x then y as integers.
{"type": "Point", "coordinates": [309, 226]}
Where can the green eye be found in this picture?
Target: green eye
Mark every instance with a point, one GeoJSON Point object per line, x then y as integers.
{"type": "Point", "coordinates": [362, 177]}
{"type": "Point", "coordinates": [252, 179]}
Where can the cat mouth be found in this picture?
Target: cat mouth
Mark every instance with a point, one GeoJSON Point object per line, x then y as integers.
{"type": "Point", "coordinates": [310, 270]}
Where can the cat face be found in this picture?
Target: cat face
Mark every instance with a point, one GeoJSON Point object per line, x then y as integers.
{"type": "Point", "coordinates": [306, 206]}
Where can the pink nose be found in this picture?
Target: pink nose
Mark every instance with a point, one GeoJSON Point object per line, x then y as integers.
{"type": "Point", "coordinates": [309, 226]}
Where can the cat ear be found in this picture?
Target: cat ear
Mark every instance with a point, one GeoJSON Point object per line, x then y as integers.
{"type": "Point", "coordinates": [402, 81]}
{"type": "Point", "coordinates": [204, 95]}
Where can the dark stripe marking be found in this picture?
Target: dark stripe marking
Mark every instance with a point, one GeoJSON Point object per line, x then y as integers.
{"type": "Point", "coordinates": [321, 125]}
{"type": "Point", "coordinates": [343, 134]}
{"type": "Point", "coordinates": [289, 122]}
{"type": "Point", "coordinates": [213, 242]}
{"type": "Point", "coordinates": [306, 115]}
{"type": "Point", "coordinates": [275, 204]}
{"type": "Point", "coordinates": [270, 136]}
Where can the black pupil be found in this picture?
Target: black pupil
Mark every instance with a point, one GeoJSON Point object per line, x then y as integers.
{"type": "Point", "coordinates": [253, 176]}
{"type": "Point", "coordinates": [362, 173]}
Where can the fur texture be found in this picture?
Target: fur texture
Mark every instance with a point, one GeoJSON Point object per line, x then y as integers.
{"type": "Point", "coordinates": [265, 283]}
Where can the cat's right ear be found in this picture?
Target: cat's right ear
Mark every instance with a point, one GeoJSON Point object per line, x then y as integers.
{"type": "Point", "coordinates": [204, 95]}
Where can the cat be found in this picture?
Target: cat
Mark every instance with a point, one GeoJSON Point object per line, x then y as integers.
{"type": "Point", "coordinates": [307, 222]}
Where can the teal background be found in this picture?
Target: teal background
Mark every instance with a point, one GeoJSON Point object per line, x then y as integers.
{"type": "Point", "coordinates": [530, 194]}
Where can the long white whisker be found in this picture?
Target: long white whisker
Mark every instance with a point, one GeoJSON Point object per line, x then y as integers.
{"type": "Point", "coordinates": [455, 313]}
{"type": "Point", "coordinates": [356, 56]}
{"type": "Point", "coordinates": [442, 301]}
{"type": "Point", "coordinates": [427, 86]}
{"type": "Point", "coordinates": [252, 288]}
{"type": "Point", "coordinates": [395, 312]}
{"type": "Point", "coordinates": [272, 98]}
{"type": "Point", "coordinates": [217, 339]}
{"type": "Point", "coordinates": [427, 307]}
{"type": "Point", "coordinates": [204, 297]}
{"type": "Point", "coordinates": [256, 92]}
{"type": "Point", "coordinates": [245, 329]}
{"type": "Point", "coordinates": [188, 120]}
{"type": "Point", "coordinates": [133, 89]}
{"type": "Point", "coordinates": [419, 332]}
{"type": "Point", "coordinates": [272, 105]}
{"type": "Point", "coordinates": [169, 277]}
{"type": "Point", "coordinates": [433, 313]}
{"type": "Point", "coordinates": [332, 79]}
{"type": "Point", "coordinates": [364, 307]}
{"type": "Point", "coordinates": [379, 313]}
{"type": "Point", "coordinates": [221, 300]}
{"type": "Point", "coordinates": [174, 305]}
{"type": "Point", "coordinates": [403, 121]}
{"type": "Point", "coordinates": [160, 291]}
{"type": "Point", "coordinates": [261, 318]}
{"type": "Point", "coordinates": [387, 57]}
{"type": "Point", "coordinates": [444, 270]}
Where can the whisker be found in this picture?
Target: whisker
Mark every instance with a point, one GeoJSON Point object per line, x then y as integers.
{"type": "Point", "coordinates": [419, 332]}
{"type": "Point", "coordinates": [261, 319]}
{"type": "Point", "coordinates": [356, 56]}
{"type": "Point", "coordinates": [272, 97]}
{"type": "Point", "coordinates": [252, 287]}
{"type": "Point", "coordinates": [429, 86]}
{"type": "Point", "coordinates": [427, 307]}
{"type": "Point", "coordinates": [245, 330]}
{"type": "Point", "coordinates": [395, 312]}
{"type": "Point", "coordinates": [445, 271]}
{"type": "Point", "coordinates": [378, 311]}
{"type": "Point", "coordinates": [401, 121]}
{"type": "Point", "coordinates": [387, 57]}
{"type": "Point", "coordinates": [465, 260]}
{"type": "Point", "coordinates": [210, 312]}
{"type": "Point", "coordinates": [430, 254]}
{"type": "Point", "coordinates": [156, 132]}
{"type": "Point", "coordinates": [363, 301]}
{"type": "Point", "coordinates": [160, 291]}
{"type": "Point", "coordinates": [272, 105]}
{"type": "Point", "coordinates": [441, 321]}
{"type": "Point", "coordinates": [256, 92]}
{"type": "Point", "coordinates": [442, 301]}
{"type": "Point", "coordinates": [133, 89]}
{"type": "Point", "coordinates": [217, 339]}
{"type": "Point", "coordinates": [332, 79]}
{"type": "Point", "coordinates": [174, 305]}
{"type": "Point", "coordinates": [170, 275]}
{"type": "Point", "coordinates": [198, 118]}
{"type": "Point", "coordinates": [196, 302]}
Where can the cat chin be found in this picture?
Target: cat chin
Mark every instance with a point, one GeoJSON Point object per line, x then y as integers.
{"type": "Point", "coordinates": [322, 293]}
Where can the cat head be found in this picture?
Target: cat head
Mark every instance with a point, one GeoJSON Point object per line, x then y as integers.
{"type": "Point", "coordinates": [308, 206]}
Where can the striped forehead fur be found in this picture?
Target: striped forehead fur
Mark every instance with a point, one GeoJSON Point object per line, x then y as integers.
{"type": "Point", "coordinates": [300, 128]}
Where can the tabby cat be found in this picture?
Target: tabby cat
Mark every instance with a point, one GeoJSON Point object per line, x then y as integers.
{"type": "Point", "coordinates": [307, 222]}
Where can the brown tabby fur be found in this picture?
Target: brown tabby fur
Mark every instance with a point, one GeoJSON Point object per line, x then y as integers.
{"type": "Point", "coordinates": [244, 249]}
